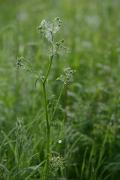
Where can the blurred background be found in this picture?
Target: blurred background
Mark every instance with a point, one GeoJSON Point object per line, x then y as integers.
{"type": "Point", "coordinates": [91, 30]}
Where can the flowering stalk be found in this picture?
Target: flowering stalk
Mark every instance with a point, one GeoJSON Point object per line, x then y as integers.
{"type": "Point", "coordinates": [48, 30]}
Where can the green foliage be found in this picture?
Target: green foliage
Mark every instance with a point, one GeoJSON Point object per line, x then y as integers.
{"type": "Point", "coordinates": [77, 91]}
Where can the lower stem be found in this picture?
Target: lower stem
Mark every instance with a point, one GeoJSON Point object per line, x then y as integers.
{"type": "Point", "coordinates": [47, 121]}
{"type": "Point", "coordinates": [47, 133]}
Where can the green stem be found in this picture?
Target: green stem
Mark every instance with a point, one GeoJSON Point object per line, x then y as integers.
{"type": "Point", "coordinates": [58, 100]}
{"type": "Point", "coordinates": [47, 121]}
{"type": "Point", "coordinates": [65, 103]}
{"type": "Point", "coordinates": [49, 68]}
{"type": "Point", "coordinates": [47, 132]}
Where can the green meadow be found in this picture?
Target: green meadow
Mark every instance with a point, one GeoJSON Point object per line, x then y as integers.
{"type": "Point", "coordinates": [60, 90]}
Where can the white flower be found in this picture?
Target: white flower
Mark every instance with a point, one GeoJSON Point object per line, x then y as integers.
{"type": "Point", "coordinates": [59, 141]}
{"type": "Point", "coordinates": [49, 28]}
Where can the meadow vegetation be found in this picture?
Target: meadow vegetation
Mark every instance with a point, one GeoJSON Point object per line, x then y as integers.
{"type": "Point", "coordinates": [59, 90]}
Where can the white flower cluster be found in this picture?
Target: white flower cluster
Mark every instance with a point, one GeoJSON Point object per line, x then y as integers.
{"type": "Point", "coordinates": [67, 76]}
{"type": "Point", "coordinates": [48, 29]}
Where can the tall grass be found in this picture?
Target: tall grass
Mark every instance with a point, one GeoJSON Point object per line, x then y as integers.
{"type": "Point", "coordinates": [58, 122]}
